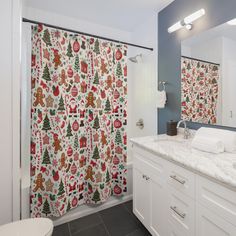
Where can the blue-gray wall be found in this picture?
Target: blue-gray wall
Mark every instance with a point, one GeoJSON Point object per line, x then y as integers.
{"type": "Point", "coordinates": [169, 47]}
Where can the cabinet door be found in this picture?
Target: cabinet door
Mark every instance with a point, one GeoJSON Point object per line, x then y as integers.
{"type": "Point", "coordinates": [209, 223]}
{"type": "Point", "coordinates": [157, 206]}
{"type": "Point", "coordinates": [140, 196]}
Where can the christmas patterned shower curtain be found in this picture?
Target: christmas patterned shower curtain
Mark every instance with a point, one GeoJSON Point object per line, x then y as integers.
{"type": "Point", "coordinates": [78, 121]}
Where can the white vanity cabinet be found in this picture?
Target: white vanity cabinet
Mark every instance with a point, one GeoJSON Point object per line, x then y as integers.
{"type": "Point", "coordinates": [173, 201]}
{"type": "Point", "coordinates": [149, 193]}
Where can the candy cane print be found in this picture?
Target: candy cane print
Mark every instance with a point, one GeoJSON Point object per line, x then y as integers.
{"type": "Point", "coordinates": [66, 177]}
{"type": "Point", "coordinates": [90, 55]}
{"type": "Point", "coordinates": [59, 129]}
{"type": "Point", "coordinates": [66, 102]}
{"type": "Point", "coordinates": [105, 55]}
{"type": "Point", "coordinates": [59, 45]}
{"type": "Point", "coordinates": [89, 130]}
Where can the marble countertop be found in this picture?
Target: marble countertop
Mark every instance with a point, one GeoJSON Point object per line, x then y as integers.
{"type": "Point", "coordinates": [220, 167]}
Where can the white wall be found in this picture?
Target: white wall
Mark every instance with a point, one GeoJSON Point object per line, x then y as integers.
{"type": "Point", "coordinates": [75, 24]}
{"type": "Point", "coordinates": [6, 113]}
{"type": "Point", "coordinates": [9, 100]}
{"type": "Point", "coordinates": [143, 79]}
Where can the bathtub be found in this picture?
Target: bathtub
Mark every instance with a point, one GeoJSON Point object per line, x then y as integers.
{"type": "Point", "coordinates": [80, 211]}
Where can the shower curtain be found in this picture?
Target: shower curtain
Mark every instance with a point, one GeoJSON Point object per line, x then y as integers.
{"type": "Point", "coordinates": [78, 121]}
{"type": "Point", "coordinates": [199, 90]}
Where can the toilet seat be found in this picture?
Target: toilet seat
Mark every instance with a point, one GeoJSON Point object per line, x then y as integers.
{"type": "Point", "coordinates": [28, 227]}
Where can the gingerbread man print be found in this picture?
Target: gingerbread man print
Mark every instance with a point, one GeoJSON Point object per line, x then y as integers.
{"type": "Point", "coordinates": [89, 173]}
{"type": "Point", "coordinates": [39, 183]}
{"type": "Point", "coordinates": [90, 100]}
{"type": "Point", "coordinates": [39, 96]}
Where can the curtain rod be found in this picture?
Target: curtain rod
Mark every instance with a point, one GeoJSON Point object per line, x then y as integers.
{"type": "Point", "coordinates": [87, 34]}
{"type": "Point", "coordinates": [196, 59]}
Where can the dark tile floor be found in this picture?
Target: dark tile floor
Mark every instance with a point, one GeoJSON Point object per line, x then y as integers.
{"type": "Point", "coordinates": [115, 221]}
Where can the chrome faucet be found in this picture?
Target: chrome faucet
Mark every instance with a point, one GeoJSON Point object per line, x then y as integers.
{"type": "Point", "coordinates": [186, 130]}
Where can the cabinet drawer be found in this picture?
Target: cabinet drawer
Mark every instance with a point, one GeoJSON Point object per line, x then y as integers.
{"type": "Point", "coordinates": [208, 223]}
{"type": "Point", "coordinates": [148, 168]}
{"type": "Point", "coordinates": [181, 179]}
{"type": "Point", "coordinates": [181, 212]}
{"type": "Point", "coordinates": [217, 198]}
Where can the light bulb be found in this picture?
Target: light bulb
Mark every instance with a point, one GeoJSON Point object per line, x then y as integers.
{"type": "Point", "coordinates": [232, 22]}
{"type": "Point", "coordinates": [175, 27]}
{"type": "Point", "coordinates": [189, 19]}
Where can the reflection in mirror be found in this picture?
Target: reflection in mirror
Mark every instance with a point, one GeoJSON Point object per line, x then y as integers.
{"type": "Point", "coordinates": [208, 76]}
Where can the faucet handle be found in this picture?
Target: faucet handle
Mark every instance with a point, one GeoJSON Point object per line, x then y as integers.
{"type": "Point", "coordinates": [187, 133]}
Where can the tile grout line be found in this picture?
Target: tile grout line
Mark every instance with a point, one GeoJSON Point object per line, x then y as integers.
{"type": "Point", "coordinates": [108, 233]}
{"type": "Point", "coordinates": [68, 225]}
{"type": "Point", "coordinates": [126, 208]}
{"type": "Point", "coordinates": [86, 228]}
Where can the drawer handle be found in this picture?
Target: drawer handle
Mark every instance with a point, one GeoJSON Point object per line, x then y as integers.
{"type": "Point", "coordinates": [181, 181]}
{"type": "Point", "coordinates": [175, 209]}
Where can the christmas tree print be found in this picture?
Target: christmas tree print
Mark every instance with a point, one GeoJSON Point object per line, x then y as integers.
{"type": "Point", "coordinates": [76, 142]}
{"type": "Point", "coordinates": [76, 66]}
{"type": "Point", "coordinates": [96, 47]}
{"type": "Point", "coordinates": [46, 73]}
{"type": "Point", "coordinates": [96, 153]}
{"type": "Point", "coordinates": [46, 37]}
{"type": "Point", "coordinates": [61, 189]}
{"type": "Point", "coordinates": [69, 50]}
{"type": "Point", "coordinates": [107, 106]}
{"type": "Point", "coordinates": [46, 124]}
{"type": "Point", "coordinates": [188, 66]}
{"type": "Point", "coordinates": [68, 206]}
{"type": "Point", "coordinates": [96, 196]}
{"type": "Point", "coordinates": [118, 139]}
{"type": "Point", "coordinates": [46, 158]}
{"type": "Point", "coordinates": [107, 177]}
{"type": "Point", "coordinates": [96, 123]}
{"type": "Point", "coordinates": [118, 70]}
{"type": "Point", "coordinates": [96, 78]}
{"type": "Point", "coordinates": [68, 131]}
{"type": "Point", "coordinates": [46, 208]}
{"type": "Point", "coordinates": [61, 105]}
{"type": "Point", "coordinates": [112, 128]}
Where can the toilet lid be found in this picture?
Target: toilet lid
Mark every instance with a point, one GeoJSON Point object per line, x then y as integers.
{"type": "Point", "coordinates": [28, 227]}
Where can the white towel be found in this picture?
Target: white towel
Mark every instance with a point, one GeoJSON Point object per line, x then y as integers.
{"type": "Point", "coordinates": [161, 99]}
{"type": "Point", "coordinates": [227, 137]}
{"type": "Point", "coordinates": [208, 144]}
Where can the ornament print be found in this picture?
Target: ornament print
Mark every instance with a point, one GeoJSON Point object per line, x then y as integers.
{"type": "Point", "coordinates": [199, 91]}
{"type": "Point", "coordinates": [79, 119]}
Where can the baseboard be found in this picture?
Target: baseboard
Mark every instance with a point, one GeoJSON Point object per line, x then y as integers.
{"type": "Point", "coordinates": [85, 210]}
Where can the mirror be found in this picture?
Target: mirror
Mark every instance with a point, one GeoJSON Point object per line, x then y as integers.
{"type": "Point", "coordinates": [208, 76]}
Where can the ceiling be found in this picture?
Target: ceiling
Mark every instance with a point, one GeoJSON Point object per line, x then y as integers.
{"type": "Point", "coordinates": [121, 14]}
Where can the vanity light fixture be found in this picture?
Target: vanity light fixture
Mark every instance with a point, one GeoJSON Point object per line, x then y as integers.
{"type": "Point", "coordinates": [187, 21]}
{"type": "Point", "coordinates": [232, 22]}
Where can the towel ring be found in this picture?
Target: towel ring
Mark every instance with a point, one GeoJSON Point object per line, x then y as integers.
{"type": "Point", "coordinates": [163, 83]}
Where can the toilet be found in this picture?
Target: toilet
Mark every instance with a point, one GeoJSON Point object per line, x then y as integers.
{"type": "Point", "coordinates": [28, 227]}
